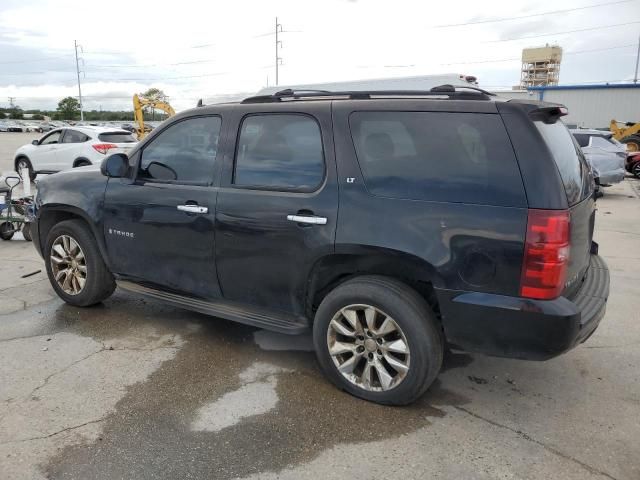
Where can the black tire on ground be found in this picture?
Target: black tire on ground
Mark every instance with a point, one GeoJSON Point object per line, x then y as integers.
{"type": "Point", "coordinates": [636, 170]}
{"type": "Point", "coordinates": [26, 231]}
{"type": "Point", "coordinates": [100, 283]}
{"type": "Point", "coordinates": [411, 313]}
{"type": "Point", "coordinates": [6, 230]}
{"type": "Point", "coordinates": [634, 140]}
{"type": "Point", "coordinates": [27, 163]}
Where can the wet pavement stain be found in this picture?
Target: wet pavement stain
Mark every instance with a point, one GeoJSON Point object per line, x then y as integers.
{"type": "Point", "coordinates": [150, 433]}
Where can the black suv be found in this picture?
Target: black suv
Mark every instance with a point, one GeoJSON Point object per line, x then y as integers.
{"type": "Point", "coordinates": [392, 224]}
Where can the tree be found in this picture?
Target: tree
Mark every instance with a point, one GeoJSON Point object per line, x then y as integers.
{"type": "Point", "coordinates": [37, 116]}
{"type": "Point", "coordinates": [2, 115]}
{"type": "Point", "coordinates": [155, 95]}
{"type": "Point", "coordinates": [68, 108]}
{"type": "Point", "coordinates": [16, 114]}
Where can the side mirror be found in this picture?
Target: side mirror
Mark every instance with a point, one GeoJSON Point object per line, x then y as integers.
{"type": "Point", "coordinates": [115, 166]}
{"type": "Point", "coordinates": [35, 142]}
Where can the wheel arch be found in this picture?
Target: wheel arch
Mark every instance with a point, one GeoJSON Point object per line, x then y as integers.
{"type": "Point", "coordinates": [334, 269]}
{"type": "Point", "coordinates": [19, 157]}
{"type": "Point", "coordinates": [81, 159]}
{"type": "Point", "coordinates": [49, 216]}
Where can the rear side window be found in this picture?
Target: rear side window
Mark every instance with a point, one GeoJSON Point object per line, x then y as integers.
{"type": "Point", "coordinates": [569, 160]}
{"type": "Point", "coordinates": [279, 152]}
{"type": "Point", "coordinates": [117, 137]}
{"type": "Point", "coordinates": [452, 157]}
{"type": "Point", "coordinates": [582, 138]}
{"type": "Point", "coordinates": [73, 136]}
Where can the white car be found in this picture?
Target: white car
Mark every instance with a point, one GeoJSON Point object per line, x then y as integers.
{"type": "Point", "coordinates": [70, 147]}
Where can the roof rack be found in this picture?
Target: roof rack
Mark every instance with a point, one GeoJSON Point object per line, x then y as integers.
{"type": "Point", "coordinates": [459, 92]}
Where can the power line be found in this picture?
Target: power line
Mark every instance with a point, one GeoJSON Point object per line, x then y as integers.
{"type": "Point", "coordinates": [44, 59]}
{"type": "Point", "coordinates": [602, 27]}
{"type": "Point", "coordinates": [553, 12]}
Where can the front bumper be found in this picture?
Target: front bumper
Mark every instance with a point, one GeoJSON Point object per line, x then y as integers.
{"type": "Point", "coordinates": [524, 328]}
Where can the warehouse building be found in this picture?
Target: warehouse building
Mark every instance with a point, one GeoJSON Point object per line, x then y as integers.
{"type": "Point", "coordinates": [590, 106]}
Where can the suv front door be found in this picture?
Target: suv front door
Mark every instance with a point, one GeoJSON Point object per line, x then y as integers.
{"type": "Point", "coordinates": [158, 226]}
{"type": "Point", "coordinates": [43, 157]}
{"type": "Point", "coordinates": [277, 205]}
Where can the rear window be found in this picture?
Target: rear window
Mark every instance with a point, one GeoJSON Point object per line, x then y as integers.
{"type": "Point", "coordinates": [452, 157]}
{"type": "Point", "coordinates": [569, 160]}
{"type": "Point", "coordinates": [117, 137]}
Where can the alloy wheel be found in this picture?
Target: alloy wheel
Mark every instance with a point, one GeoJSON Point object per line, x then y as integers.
{"type": "Point", "coordinates": [368, 348]}
{"type": "Point", "coordinates": [68, 265]}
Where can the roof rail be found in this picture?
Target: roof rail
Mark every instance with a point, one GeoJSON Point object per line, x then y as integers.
{"type": "Point", "coordinates": [458, 92]}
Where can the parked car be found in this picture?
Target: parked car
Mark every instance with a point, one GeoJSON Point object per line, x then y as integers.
{"type": "Point", "coordinates": [604, 153]}
{"type": "Point", "coordinates": [3, 127]}
{"type": "Point", "coordinates": [632, 165]}
{"type": "Point", "coordinates": [65, 148]}
{"type": "Point", "coordinates": [388, 224]}
{"type": "Point", "coordinates": [14, 127]}
{"type": "Point", "coordinates": [46, 127]}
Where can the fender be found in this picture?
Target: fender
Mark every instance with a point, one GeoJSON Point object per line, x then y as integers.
{"type": "Point", "coordinates": [73, 193]}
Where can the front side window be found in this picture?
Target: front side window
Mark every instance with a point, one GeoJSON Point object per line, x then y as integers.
{"type": "Point", "coordinates": [279, 152]}
{"type": "Point", "coordinates": [185, 152]}
{"type": "Point", "coordinates": [438, 156]}
{"type": "Point", "coordinates": [52, 138]}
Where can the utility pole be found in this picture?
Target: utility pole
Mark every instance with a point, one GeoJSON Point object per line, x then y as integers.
{"type": "Point", "coordinates": [635, 77]}
{"type": "Point", "coordinates": [278, 46]}
{"type": "Point", "coordinates": [11, 100]}
{"type": "Point", "coordinates": [75, 43]}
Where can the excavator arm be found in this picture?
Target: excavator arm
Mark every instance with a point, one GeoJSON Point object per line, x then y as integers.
{"type": "Point", "coordinates": [138, 112]}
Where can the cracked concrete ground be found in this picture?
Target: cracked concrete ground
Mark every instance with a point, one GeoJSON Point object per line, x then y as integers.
{"type": "Point", "coordinates": [135, 389]}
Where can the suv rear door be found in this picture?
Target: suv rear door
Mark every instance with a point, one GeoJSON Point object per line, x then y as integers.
{"type": "Point", "coordinates": [277, 205]}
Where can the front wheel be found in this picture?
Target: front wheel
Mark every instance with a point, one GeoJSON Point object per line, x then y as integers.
{"type": "Point", "coordinates": [21, 164]}
{"type": "Point", "coordinates": [6, 230]}
{"type": "Point", "coordinates": [74, 265]}
{"type": "Point", "coordinates": [636, 170]}
{"type": "Point", "coordinates": [377, 339]}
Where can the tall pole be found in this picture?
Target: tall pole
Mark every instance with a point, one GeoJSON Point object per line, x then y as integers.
{"type": "Point", "coordinates": [635, 77]}
{"type": "Point", "coordinates": [278, 45]}
{"type": "Point", "coordinates": [75, 44]}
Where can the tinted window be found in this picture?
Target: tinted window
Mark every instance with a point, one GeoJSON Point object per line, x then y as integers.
{"type": "Point", "coordinates": [51, 138]}
{"type": "Point", "coordinates": [73, 136]}
{"type": "Point", "coordinates": [117, 137]}
{"type": "Point", "coordinates": [582, 138]}
{"type": "Point", "coordinates": [453, 157]}
{"type": "Point", "coordinates": [568, 158]}
{"type": "Point", "coordinates": [279, 152]}
{"type": "Point", "coordinates": [184, 152]}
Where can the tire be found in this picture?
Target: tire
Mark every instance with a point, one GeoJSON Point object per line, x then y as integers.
{"type": "Point", "coordinates": [633, 143]}
{"type": "Point", "coordinates": [81, 163]}
{"type": "Point", "coordinates": [26, 231]}
{"type": "Point", "coordinates": [417, 329]}
{"type": "Point", "coordinates": [98, 283]}
{"type": "Point", "coordinates": [636, 170]}
{"type": "Point", "coordinates": [6, 230]}
{"type": "Point", "coordinates": [24, 161]}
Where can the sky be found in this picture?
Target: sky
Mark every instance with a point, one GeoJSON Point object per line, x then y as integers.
{"type": "Point", "coordinates": [195, 49]}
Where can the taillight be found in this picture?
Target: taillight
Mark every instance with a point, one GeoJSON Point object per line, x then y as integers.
{"type": "Point", "coordinates": [103, 148]}
{"type": "Point", "coordinates": [546, 254]}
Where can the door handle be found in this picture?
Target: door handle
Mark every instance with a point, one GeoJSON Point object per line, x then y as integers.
{"type": "Point", "coordinates": [310, 219]}
{"type": "Point", "coordinates": [193, 209]}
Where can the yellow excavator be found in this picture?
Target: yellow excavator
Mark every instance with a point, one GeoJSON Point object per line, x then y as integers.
{"type": "Point", "coordinates": [138, 112]}
{"type": "Point", "coordinates": [628, 133]}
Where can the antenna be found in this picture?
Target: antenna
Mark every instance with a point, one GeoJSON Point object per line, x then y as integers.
{"type": "Point", "coordinates": [76, 46]}
{"type": "Point", "coordinates": [278, 46]}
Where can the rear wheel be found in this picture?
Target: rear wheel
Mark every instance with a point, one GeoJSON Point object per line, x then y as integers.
{"type": "Point", "coordinates": [636, 170]}
{"type": "Point", "coordinates": [26, 231]}
{"type": "Point", "coordinates": [21, 164]}
{"type": "Point", "coordinates": [81, 163]}
{"type": "Point", "coordinates": [377, 339]}
{"type": "Point", "coordinates": [633, 143]}
{"type": "Point", "coordinates": [74, 265]}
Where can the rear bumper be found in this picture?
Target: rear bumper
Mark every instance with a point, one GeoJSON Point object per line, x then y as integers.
{"type": "Point", "coordinates": [610, 177]}
{"type": "Point", "coordinates": [523, 328]}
